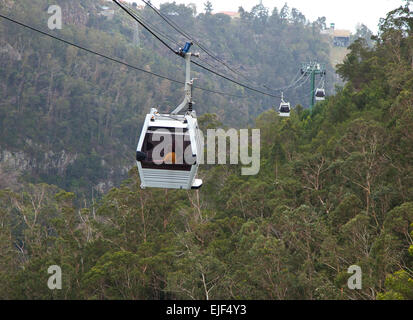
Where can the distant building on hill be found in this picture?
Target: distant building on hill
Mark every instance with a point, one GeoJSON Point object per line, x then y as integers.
{"type": "Point", "coordinates": [109, 9]}
{"type": "Point", "coordinates": [340, 38]}
{"type": "Point", "coordinates": [107, 12]}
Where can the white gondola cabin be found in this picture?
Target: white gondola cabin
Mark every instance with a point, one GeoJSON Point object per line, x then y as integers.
{"type": "Point", "coordinates": [170, 145]}
{"type": "Point", "coordinates": [320, 94]}
{"type": "Point", "coordinates": [285, 108]}
{"type": "Point", "coordinates": [168, 151]}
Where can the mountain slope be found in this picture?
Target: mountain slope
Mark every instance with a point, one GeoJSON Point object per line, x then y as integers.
{"type": "Point", "coordinates": [334, 190]}
{"type": "Point", "coordinates": [72, 119]}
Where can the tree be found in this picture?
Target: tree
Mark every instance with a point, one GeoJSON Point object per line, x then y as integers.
{"type": "Point", "coordinates": [365, 33]}
{"type": "Point", "coordinates": [208, 8]}
{"type": "Point", "coordinates": [321, 23]}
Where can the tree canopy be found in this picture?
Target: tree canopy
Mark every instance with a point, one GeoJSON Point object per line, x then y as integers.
{"type": "Point", "coordinates": [334, 189]}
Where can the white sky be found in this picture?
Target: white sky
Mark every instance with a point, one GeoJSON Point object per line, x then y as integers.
{"type": "Point", "coordinates": [346, 14]}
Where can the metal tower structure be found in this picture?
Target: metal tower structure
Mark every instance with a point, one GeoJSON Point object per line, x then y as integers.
{"type": "Point", "coordinates": [313, 69]}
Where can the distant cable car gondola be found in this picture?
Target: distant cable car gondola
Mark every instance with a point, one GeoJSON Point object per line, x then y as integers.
{"type": "Point", "coordinates": [320, 94]}
{"type": "Point", "coordinates": [285, 108]}
{"type": "Point", "coordinates": [169, 147]}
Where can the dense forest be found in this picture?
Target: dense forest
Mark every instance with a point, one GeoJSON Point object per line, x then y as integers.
{"type": "Point", "coordinates": [335, 187]}
{"type": "Point", "coordinates": [72, 119]}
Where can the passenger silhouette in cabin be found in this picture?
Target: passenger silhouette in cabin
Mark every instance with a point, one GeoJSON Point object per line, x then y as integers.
{"type": "Point", "coordinates": [176, 156]}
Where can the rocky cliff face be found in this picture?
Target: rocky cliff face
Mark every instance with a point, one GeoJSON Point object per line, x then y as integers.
{"type": "Point", "coordinates": [34, 160]}
{"type": "Point", "coordinates": [14, 164]}
{"type": "Point", "coordinates": [20, 161]}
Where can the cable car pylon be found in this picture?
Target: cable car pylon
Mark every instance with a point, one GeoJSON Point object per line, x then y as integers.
{"type": "Point", "coordinates": [313, 69]}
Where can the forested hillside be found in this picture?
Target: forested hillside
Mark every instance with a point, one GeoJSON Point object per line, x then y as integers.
{"type": "Point", "coordinates": [335, 187]}
{"type": "Point", "coordinates": [72, 119]}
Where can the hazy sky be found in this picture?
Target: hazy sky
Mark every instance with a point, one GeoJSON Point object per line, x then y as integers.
{"type": "Point", "coordinates": [344, 13]}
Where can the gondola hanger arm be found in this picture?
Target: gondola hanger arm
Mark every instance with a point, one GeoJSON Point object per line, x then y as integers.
{"type": "Point", "coordinates": [188, 81]}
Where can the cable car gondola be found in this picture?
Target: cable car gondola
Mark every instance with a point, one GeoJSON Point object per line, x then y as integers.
{"type": "Point", "coordinates": [285, 108]}
{"type": "Point", "coordinates": [320, 94]}
{"type": "Point", "coordinates": [169, 147]}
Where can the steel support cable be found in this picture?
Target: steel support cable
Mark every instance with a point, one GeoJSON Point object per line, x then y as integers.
{"type": "Point", "coordinates": [187, 36]}
{"type": "Point", "coordinates": [293, 83]}
{"type": "Point", "coordinates": [193, 62]}
{"type": "Point", "coordinates": [114, 59]}
{"type": "Point", "coordinates": [307, 96]}
{"type": "Point", "coordinates": [139, 16]}
{"type": "Point", "coordinates": [234, 81]}
{"type": "Point", "coordinates": [299, 83]}
{"type": "Point", "coordinates": [171, 49]}
{"type": "Point", "coordinates": [303, 82]}
{"type": "Point", "coordinates": [89, 50]}
{"type": "Point", "coordinates": [191, 38]}
{"type": "Point", "coordinates": [143, 25]}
